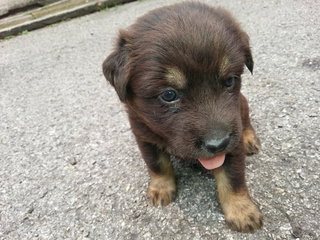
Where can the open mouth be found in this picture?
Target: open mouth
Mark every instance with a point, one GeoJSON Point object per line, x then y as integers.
{"type": "Point", "coordinates": [212, 162]}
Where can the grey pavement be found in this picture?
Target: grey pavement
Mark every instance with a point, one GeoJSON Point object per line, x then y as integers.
{"type": "Point", "coordinates": [69, 165]}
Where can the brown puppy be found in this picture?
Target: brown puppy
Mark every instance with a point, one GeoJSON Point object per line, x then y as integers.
{"type": "Point", "coordinates": [178, 71]}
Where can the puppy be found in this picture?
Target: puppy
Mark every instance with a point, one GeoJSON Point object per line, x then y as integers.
{"type": "Point", "coordinates": [178, 71]}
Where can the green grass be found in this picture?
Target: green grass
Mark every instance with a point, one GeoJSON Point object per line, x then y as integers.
{"type": "Point", "coordinates": [8, 37]}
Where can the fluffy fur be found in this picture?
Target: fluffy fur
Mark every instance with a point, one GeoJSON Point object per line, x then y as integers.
{"type": "Point", "coordinates": [178, 71]}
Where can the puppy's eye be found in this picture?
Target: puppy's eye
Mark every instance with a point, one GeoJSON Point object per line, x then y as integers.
{"type": "Point", "coordinates": [230, 82]}
{"type": "Point", "coordinates": [169, 95]}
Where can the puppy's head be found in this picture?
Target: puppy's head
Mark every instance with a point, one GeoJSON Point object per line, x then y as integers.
{"type": "Point", "coordinates": [178, 69]}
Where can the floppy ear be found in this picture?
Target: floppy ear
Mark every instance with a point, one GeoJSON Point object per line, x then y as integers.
{"type": "Point", "coordinates": [247, 51]}
{"type": "Point", "coordinates": [114, 67]}
{"type": "Point", "coordinates": [249, 61]}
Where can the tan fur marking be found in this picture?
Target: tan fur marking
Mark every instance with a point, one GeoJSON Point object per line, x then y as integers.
{"type": "Point", "coordinates": [223, 70]}
{"type": "Point", "coordinates": [162, 189]}
{"type": "Point", "coordinates": [240, 212]}
{"type": "Point", "coordinates": [250, 141]}
{"type": "Point", "coordinates": [176, 78]}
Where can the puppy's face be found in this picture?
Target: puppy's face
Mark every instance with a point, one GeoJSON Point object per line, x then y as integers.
{"type": "Point", "coordinates": [183, 83]}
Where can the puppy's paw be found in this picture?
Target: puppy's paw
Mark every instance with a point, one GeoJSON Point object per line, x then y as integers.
{"type": "Point", "coordinates": [251, 142]}
{"type": "Point", "coordinates": [243, 215]}
{"type": "Point", "coordinates": [161, 197]}
{"type": "Point", "coordinates": [162, 191]}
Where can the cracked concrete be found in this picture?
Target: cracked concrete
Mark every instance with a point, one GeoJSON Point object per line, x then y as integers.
{"type": "Point", "coordinates": [69, 165]}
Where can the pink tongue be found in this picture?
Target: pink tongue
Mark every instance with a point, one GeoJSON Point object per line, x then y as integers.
{"type": "Point", "coordinates": [212, 162]}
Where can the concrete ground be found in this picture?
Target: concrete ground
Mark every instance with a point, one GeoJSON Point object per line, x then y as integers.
{"type": "Point", "coordinates": [69, 165]}
{"type": "Point", "coordinates": [11, 5]}
{"type": "Point", "coordinates": [16, 19]}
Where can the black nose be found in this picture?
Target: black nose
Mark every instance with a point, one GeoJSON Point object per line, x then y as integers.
{"type": "Point", "coordinates": [217, 145]}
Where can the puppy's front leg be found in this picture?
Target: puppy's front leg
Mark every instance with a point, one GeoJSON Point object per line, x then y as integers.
{"type": "Point", "coordinates": [162, 188]}
{"type": "Point", "coordinates": [240, 211]}
{"type": "Point", "coordinates": [250, 140]}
